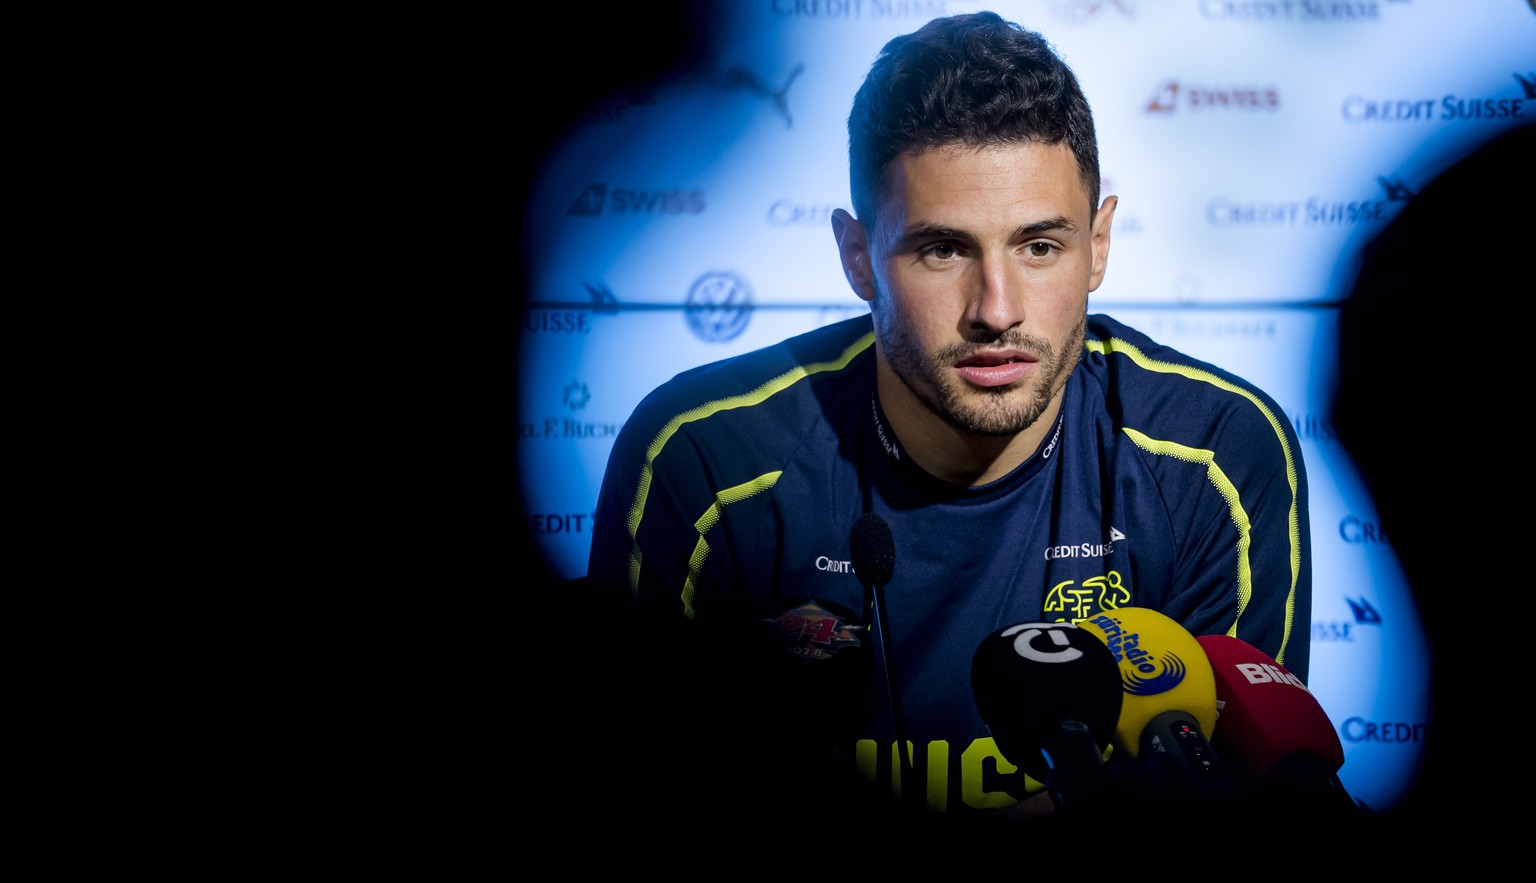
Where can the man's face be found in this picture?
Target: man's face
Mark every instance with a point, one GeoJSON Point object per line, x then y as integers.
{"type": "Point", "coordinates": [981, 272]}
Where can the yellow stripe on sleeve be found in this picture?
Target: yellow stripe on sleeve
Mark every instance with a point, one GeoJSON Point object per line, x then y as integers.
{"type": "Point", "coordinates": [1120, 347]}
{"type": "Point", "coordinates": [746, 400]}
{"type": "Point", "coordinates": [709, 519]}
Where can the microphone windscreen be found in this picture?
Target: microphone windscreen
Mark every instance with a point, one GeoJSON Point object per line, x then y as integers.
{"type": "Point", "coordinates": [1030, 678]}
{"type": "Point", "coordinates": [873, 550]}
{"type": "Point", "coordinates": [1267, 713]}
{"type": "Point", "coordinates": [1161, 668]}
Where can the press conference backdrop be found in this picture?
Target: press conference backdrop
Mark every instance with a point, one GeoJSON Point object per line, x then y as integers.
{"type": "Point", "coordinates": [1255, 146]}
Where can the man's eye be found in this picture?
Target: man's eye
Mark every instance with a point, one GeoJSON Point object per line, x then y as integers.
{"type": "Point", "coordinates": [943, 251]}
{"type": "Point", "coordinates": [1039, 249]}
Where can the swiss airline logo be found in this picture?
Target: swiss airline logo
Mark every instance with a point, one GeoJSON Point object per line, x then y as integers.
{"type": "Point", "coordinates": [597, 198]}
{"type": "Point", "coordinates": [1173, 96]}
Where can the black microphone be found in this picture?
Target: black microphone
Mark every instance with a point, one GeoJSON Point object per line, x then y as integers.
{"type": "Point", "coordinates": [1050, 693]}
{"type": "Point", "coordinates": [873, 551]}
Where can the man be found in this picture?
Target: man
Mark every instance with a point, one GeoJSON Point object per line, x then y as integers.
{"type": "Point", "coordinates": [1032, 462]}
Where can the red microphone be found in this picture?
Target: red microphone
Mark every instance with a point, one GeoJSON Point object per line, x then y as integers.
{"type": "Point", "coordinates": [1272, 729]}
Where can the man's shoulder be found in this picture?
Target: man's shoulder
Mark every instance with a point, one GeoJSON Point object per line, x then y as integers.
{"type": "Point", "coordinates": [1133, 356]}
{"type": "Point", "coordinates": [822, 353]}
{"type": "Point", "coordinates": [1153, 384]}
{"type": "Point", "coordinates": [1107, 335]}
{"type": "Point", "coordinates": [777, 386]}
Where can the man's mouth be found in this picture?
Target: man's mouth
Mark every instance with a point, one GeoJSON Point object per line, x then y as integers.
{"type": "Point", "coordinates": [994, 369]}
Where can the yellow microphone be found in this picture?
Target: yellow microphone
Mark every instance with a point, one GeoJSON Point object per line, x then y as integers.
{"type": "Point", "coordinates": [1163, 669]}
{"type": "Point", "coordinates": [1167, 711]}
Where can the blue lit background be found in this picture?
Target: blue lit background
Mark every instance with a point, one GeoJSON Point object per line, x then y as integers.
{"type": "Point", "coordinates": [1255, 147]}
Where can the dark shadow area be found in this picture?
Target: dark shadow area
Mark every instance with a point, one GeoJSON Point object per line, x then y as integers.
{"type": "Point", "coordinates": [629, 50]}
{"type": "Point", "coordinates": [1429, 317]}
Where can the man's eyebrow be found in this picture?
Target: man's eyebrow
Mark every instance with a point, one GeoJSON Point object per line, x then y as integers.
{"type": "Point", "coordinates": [926, 231]}
{"type": "Point", "coordinates": [923, 231]}
{"type": "Point", "coordinates": [1045, 225]}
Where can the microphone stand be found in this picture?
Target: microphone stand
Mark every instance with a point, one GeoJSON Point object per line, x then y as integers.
{"type": "Point", "coordinates": [911, 790]}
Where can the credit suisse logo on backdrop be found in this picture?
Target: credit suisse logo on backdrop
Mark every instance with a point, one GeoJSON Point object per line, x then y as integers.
{"type": "Point", "coordinates": [717, 308]}
{"type": "Point", "coordinates": [1290, 11]}
{"type": "Point", "coordinates": [791, 213]}
{"type": "Point", "coordinates": [1359, 728]}
{"type": "Point", "coordinates": [1515, 103]}
{"type": "Point", "coordinates": [871, 9]}
{"type": "Point", "coordinates": [1342, 631]}
{"type": "Point", "coordinates": [1314, 211]}
{"type": "Point", "coordinates": [570, 318]}
{"type": "Point", "coordinates": [1083, 12]}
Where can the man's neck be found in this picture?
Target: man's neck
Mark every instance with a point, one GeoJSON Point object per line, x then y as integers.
{"type": "Point", "coordinates": [946, 451]}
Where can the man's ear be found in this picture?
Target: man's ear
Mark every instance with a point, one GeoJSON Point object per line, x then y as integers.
{"type": "Point", "coordinates": [853, 251]}
{"type": "Point", "coordinates": [1102, 221]}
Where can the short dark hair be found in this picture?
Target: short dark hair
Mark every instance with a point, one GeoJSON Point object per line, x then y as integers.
{"type": "Point", "coordinates": [973, 80]}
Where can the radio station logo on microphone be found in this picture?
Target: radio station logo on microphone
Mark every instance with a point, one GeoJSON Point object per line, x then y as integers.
{"type": "Point", "coordinates": [1171, 96]}
{"type": "Point", "coordinates": [719, 307]}
{"type": "Point", "coordinates": [1142, 673]}
{"type": "Point", "coordinates": [597, 198]}
{"type": "Point", "coordinates": [1265, 673]}
{"type": "Point", "coordinates": [1447, 108]}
